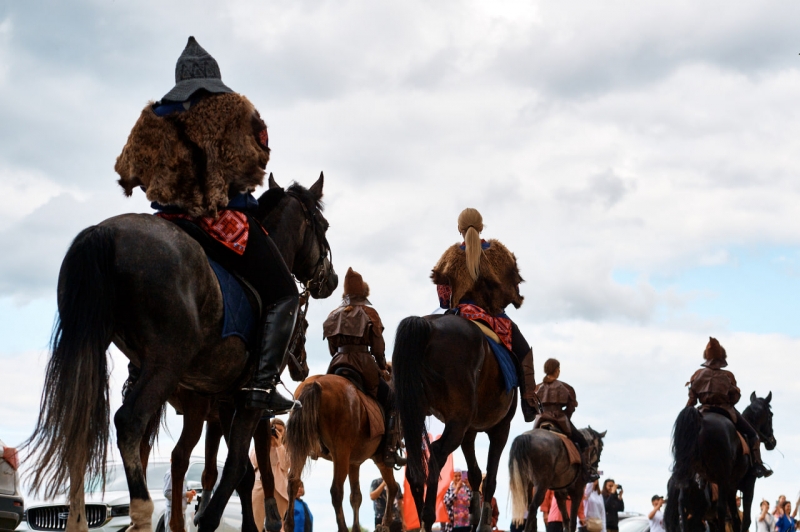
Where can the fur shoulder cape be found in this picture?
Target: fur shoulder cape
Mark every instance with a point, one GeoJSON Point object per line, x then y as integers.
{"type": "Point", "coordinates": [497, 285]}
{"type": "Point", "coordinates": [196, 159]}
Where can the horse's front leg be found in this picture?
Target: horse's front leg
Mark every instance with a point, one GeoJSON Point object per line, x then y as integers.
{"type": "Point", "coordinates": [575, 499]}
{"type": "Point", "coordinates": [236, 465]}
{"type": "Point", "coordinates": [748, 488]}
{"type": "Point", "coordinates": [195, 410]}
{"type": "Point", "coordinates": [391, 494]}
{"type": "Point", "coordinates": [498, 436]}
{"type": "Point", "coordinates": [474, 476]}
{"type": "Point", "coordinates": [273, 520]}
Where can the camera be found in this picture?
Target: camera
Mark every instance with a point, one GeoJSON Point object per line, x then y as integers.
{"type": "Point", "coordinates": [619, 487]}
{"type": "Point", "coordinates": [273, 431]}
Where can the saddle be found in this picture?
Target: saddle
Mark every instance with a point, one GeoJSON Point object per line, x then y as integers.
{"type": "Point", "coordinates": [572, 450]}
{"type": "Point", "coordinates": [241, 302]}
{"type": "Point", "coordinates": [371, 405]}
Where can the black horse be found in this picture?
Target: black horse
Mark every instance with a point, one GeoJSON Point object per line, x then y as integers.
{"type": "Point", "coordinates": [707, 449]}
{"type": "Point", "coordinates": [143, 283]}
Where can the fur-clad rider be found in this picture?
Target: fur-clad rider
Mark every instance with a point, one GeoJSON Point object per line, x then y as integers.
{"type": "Point", "coordinates": [558, 404]}
{"type": "Point", "coordinates": [484, 274]}
{"type": "Point", "coordinates": [198, 153]}
{"type": "Point", "coordinates": [355, 338]}
{"type": "Point", "coordinates": [715, 389]}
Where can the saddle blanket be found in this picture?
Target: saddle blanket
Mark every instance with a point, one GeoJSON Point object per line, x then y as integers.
{"type": "Point", "coordinates": [238, 317]}
{"type": "Point", "coordinates": [375, 414]}
{"type": "Point", "coordinates": [231, 228]}
{"type": "Point", "coordinates": [745, 447]}
{"type": "Point", "coordinates": [572, 450]}
{"type": "Point", "coordinates": [503, 356]}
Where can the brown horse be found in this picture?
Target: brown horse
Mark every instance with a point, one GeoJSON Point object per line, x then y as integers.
{"type": "Point", "coordinates": [443, 366]}
{"type": "Point", "coordinates": [538, 461]}
{"type": "Point", "coordinates": [333, 424]}
{"type": "Point", "coordinates": [198, 409]}
{"type": "Point", "coordinates": [143, 283]}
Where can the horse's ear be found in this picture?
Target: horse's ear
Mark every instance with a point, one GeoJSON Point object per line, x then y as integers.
{"type": "Point", "coordinates": [272, 183]}
{"type": "Point", "coordinates": [753, 397]}
{"type": "Point", "coordinates": [603, 434]}
{"type": "Point", "coordinates": [316, 188]}
{"type": "Point", "coordinates": [768, 398]}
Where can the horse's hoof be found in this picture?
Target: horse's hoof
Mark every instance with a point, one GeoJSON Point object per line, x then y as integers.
{"type": "Point", "coordinates": [272, 517]}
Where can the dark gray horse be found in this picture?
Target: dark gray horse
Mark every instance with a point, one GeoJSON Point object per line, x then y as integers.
{"type": "Point", "coordinates": [706, 447]}
{"type": "Point", "coordinates": [538, 461]}
{"type": "Point", "coordinates": [143, 283]}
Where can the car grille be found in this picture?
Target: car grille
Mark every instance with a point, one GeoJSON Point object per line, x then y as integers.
{"type": "Point", "coordinates": [55, 517]}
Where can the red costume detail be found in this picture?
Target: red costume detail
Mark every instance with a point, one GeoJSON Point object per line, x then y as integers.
{"type": "Point", "coordinates": [230, 228]}
{"type": "Point", "coordinates": [263, 138]}
{"type": "Point", "coordinates": [500, 325]}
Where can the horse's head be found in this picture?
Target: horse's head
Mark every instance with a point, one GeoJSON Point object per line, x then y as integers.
{"type": "Point", "coordinates": [294, 219]}
{"type": "Point", "coordinates": [759, 415]}
{"type": "Point", "coordinates": [595, 441]}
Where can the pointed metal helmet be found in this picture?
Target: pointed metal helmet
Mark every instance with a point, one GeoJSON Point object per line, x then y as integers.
{"type": "Point", "coordinates": [195, 70]}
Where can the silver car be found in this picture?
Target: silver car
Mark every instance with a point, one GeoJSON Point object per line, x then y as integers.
{"type": "Point", "coordinates": [12, 508]}
{"type": "Point", "coordinates": [109, 511]}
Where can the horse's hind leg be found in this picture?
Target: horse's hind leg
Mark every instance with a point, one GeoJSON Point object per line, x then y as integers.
{"type": "Point", "coordinates": [474, 476]}
{"type": "Point", "coordinates": [355, 495]}
{"type": "Point", "coordinates": [141, 403]}
{"type": "Point", "coordinates": [341, 464]}
{"type": "Point", "coordinates": [537, 498]}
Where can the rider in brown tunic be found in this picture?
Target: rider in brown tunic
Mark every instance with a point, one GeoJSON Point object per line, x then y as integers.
{"type": "Point", "coordinates": [715, 389]}
{"type": "Point", "coordinates": [558, 404]}
{"type": "Point", "coordinates": [355, 338]}
{"type": "Point", "coordinates": [485, 273]}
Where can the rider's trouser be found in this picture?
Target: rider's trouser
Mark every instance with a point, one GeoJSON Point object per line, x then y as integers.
{"type": "Point", "coordinates": [747, 430]}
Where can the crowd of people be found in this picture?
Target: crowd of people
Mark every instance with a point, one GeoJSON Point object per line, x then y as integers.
{"type": "Point", "coordinates": [782, 517]}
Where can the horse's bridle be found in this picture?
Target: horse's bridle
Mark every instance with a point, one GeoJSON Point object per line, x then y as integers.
{"type": "Point", "coordinates": [318, 277]}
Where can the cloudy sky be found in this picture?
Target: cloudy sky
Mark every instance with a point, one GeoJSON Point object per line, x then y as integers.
{"type": "Point", "coordinates": [638, 157]}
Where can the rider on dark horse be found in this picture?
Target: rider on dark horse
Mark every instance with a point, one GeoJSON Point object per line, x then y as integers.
{"type": "Point", "coordinates": [558, 404]}
{"type": "Point", "coordinates": [199, 153]}
{"type": "Point", "coordinates": [716, 390]}
{"type": "Point", "coordinates": [479, 279]}
{"type": "Point", "coordinates": [355, 338]}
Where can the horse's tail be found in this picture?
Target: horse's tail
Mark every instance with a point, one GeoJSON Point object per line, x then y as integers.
{"type": "Point", "coordinates": [518, 469]}
{"type": "Point", "coordinates": [73, 427]}
{"type": "Point", "coordinates": [302, 430]}
{"type": "Point", "coordinates": [408, 367]}
{"type": "Point", "coordinates": [685, 449]}
{"type": "Point", "coordinates": [672, 521]}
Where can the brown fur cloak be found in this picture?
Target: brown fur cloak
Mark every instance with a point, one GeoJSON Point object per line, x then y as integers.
{"type": "Point", "coordinates": [196, 160]}
{"type": "Point", "coordinates": [497, 285]}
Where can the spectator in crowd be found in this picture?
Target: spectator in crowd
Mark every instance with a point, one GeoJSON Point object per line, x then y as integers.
{"type": "Point", "coordinates": [778, 511]}
{"type": "Point", "coordinates": [594, 508]}
{"type": "Point", "coordinates": [766, 521]}
{"type": "Point", "coordinates": [303, 520]}
{"type": "Point", "coordinates": [279, 462]}
{"type": "Point", "coordinates": [553, 521]}
{"type": "Point", "coordinates": [188, 495]}
{"type": "Point", "coordinates": [612, 499]}
{"type": "Point", "coordinates": [378, 493]}
{"type": "Point", "coordinates": [457, 500]}
{"type": "Point", "coordinates": [656, 516]}
{"type": "Point", "coordinates": [786, 522]}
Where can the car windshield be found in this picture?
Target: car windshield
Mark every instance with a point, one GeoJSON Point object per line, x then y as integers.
{"type": "Point", "coordinates": [634, 524]}
{"type": "Point", "coordinates": [116, 481]}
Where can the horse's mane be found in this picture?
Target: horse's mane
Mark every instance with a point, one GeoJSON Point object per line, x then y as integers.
{"type": "Point", "coordinates": [270, 199]}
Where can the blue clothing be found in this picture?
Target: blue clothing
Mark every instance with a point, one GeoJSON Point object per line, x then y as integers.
{"type": "Point", "coordinates": [301, 513]}
{"type": "Point", "coordinates": [785, 524]}
{"type": "Point", "coordinates": [244, 202]}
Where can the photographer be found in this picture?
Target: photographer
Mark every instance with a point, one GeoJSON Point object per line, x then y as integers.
{"type": "Point", "coordinates": [612, 498]}
{"type": "Point", "coordinates": [656, 516]}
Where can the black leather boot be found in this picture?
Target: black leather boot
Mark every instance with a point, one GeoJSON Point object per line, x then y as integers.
{"type": "Point", "coordinates": [392, 456]}
{"type": "Point", "coordinates": [276, 333]}
{"type": "Point", "coordinates": [527, 388]}
{"type": "Point", "coordinates": [759, 468]}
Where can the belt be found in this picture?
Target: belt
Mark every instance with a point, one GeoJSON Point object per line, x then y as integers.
{"type": "Point", "coordinates": [353, 349]}
{"type": "Point", "coordinates": [552, 408]}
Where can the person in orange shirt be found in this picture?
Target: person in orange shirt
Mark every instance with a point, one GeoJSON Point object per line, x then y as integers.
{"type": "Point", "coordinates": [552, 515]}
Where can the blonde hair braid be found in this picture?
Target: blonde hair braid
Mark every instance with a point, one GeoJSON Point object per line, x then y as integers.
{"type": "Point", "coordinates": [470, 225]}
